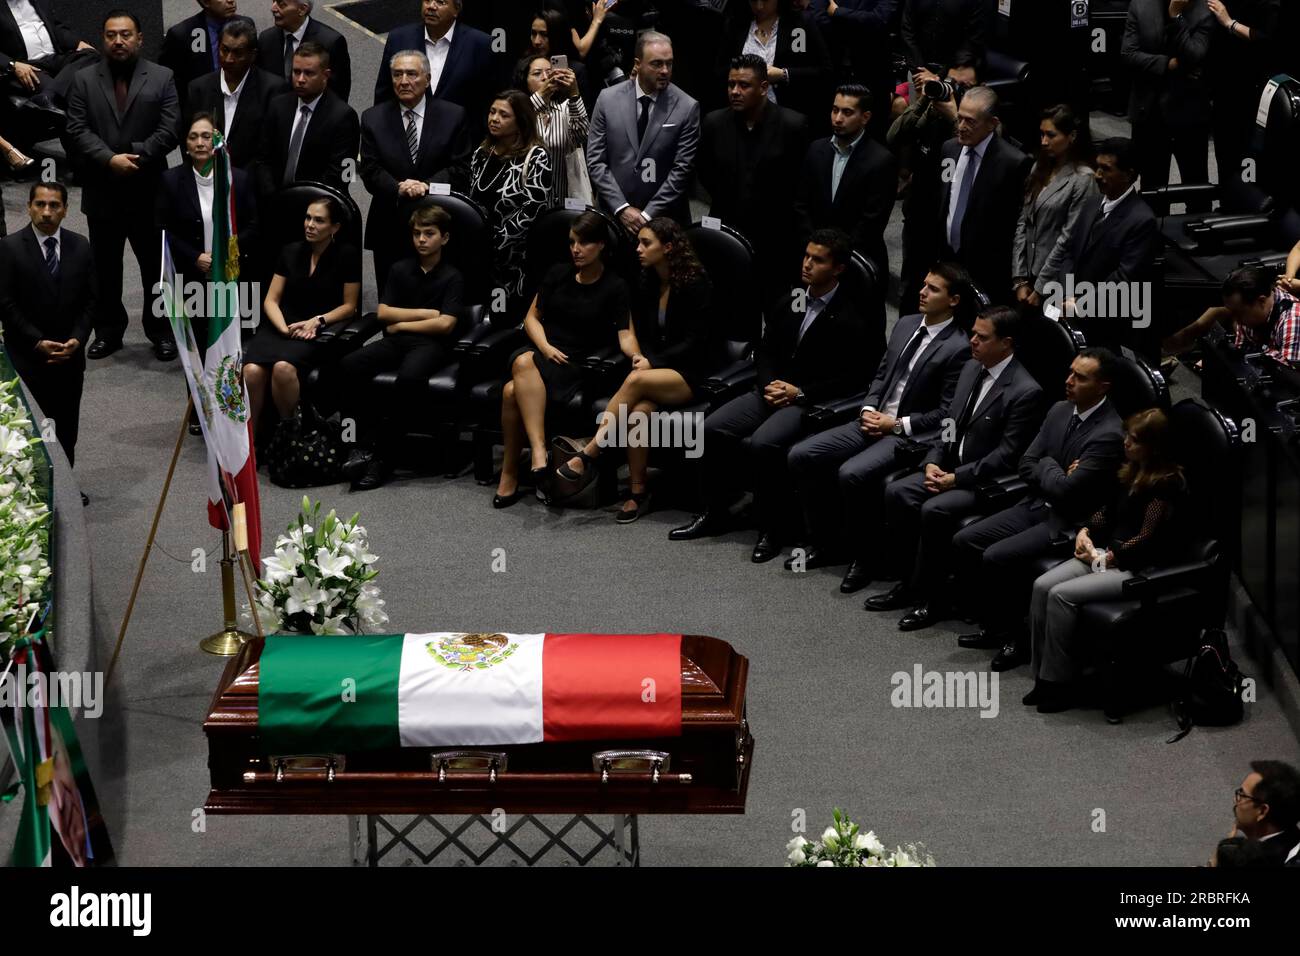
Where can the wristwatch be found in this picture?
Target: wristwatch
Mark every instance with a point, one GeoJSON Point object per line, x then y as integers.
{"type": "Point", "coordinates": [898, 427]}
{"type": "Point", "coordinates": [320, 322]}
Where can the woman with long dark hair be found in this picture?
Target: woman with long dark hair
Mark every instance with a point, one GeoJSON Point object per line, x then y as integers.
{"type": "Point", "coordinates": [510, 176]}
{"type": "Point", "coordinates": [670, 314]}
{"type": "Point", "coordinates": [1139, 528]}
{"type": "Point", "coordinates": [1059, 185]}
{"type": "Point", "coordinates": [317, 282]}
{"type": "Point", "coordinates": [561, 124]}
{"type": "Point", "coordinates": [581, 308]}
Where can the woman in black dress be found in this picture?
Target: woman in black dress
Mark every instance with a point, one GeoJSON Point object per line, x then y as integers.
{"type": "Point", "coordinates": [579, 309]}
{"type": "Point", "coordinates": [670, 315]}
{"type": "Point", "coordinates": [510, 176]}
{"type": "Point", "coordinates": [316, 283]}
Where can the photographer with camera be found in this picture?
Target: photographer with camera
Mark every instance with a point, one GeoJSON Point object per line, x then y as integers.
{"type": "Point", "coordinates": [916, 137]}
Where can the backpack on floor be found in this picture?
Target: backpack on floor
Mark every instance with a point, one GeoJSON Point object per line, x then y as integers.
{"type": "Point", "coordinates": [1211, 688]}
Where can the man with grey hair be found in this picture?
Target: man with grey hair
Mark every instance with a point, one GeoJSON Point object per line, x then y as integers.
{"type": "Point", "coordinates": [406, 143]}
{"type": "Point", "coordinates": [294, 26]}
{"type": "Point", "coordinates": [982, 182]}
{"type": "Point", "coordinates": [642, 141]}
{"type": "Point", "coordinates": [461, 67]}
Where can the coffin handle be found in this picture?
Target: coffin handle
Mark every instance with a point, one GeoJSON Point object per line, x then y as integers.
{"type": "Point", "coordinates": [481, 761]}
{"type": "Point", "coordinates": [618, 762]}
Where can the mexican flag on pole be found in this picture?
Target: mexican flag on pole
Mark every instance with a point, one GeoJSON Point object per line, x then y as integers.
{"type": "Point", "coordinates": [215, 382]}
{"type": "Point", "coordinates": [27, 731]}
{"type": "Point", "coordinates": [344, 694]}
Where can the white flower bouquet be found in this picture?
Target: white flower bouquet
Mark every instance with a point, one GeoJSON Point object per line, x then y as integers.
{"type": "Point", "coordinates": [843, 844]}
{"type": "Point", "coordinates": [318, 580]}
{"type": "Point", "coordinates": [24, 518]}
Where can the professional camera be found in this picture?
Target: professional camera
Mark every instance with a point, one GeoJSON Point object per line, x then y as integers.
{"type": "Point", "coordinates": [943, 90]}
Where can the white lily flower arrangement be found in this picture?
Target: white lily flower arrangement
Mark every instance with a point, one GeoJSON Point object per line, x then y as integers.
{"type": "Point", "coordinates": [24, 518]}
{"type": "Point", "coordinates": [844, 844]}
{"type": "Point", "coordinates": [318, 580]}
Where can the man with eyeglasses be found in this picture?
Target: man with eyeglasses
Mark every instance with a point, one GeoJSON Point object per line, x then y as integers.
{"type": "Point", "coordinates": [237, 95]}
{"type": "Point", "coordinates": [1266, 810]}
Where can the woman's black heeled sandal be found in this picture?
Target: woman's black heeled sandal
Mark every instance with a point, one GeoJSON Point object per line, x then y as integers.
{"type": "Point", "coordinates": [568, 474]}
{"type": "Point", "coordinates": [642, 501]}
{"type": "Point", "coordinates": [541, 484]}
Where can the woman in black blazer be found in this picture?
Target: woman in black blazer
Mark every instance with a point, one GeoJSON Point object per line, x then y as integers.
{"type": "Point", "coordinates": [670, 316]}
{"type": "Point", "coordinates": [186, 214]}
{"type": "Point", "coordinates": [800, 80]}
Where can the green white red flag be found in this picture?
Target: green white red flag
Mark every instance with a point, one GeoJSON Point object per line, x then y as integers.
{"type": "Point", "coordinates": [216, 383]}
{"type": "Point", "coordinates": [342, 694]}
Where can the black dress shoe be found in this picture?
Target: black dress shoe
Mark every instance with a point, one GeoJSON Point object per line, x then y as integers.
{"type": "Point", "coordinates": [813, 558]}
{"type": "Point", "coordinates": [767, 548]}
{"type": "Point", "coordinates": [923, 616]}
{"type": "Point", "coordinates": [372, 478]}
{"type": "Point", "coordinates": [358, 461]}
{"type": "Point", "coordinates": [103, 348]}
{"type": "Point", "coordinates": [984, 640]}
{"type": "Point", "coordinates": [703, 525]}
{"type": "Point", "coordinates": [896, 597]}
{"type": "Point", "coordinates": [165, 351]}
{"type": "Point", "coordinates": [85, 500]}
{"type": "Point", "coordinates": [195, 428]}
{"type": "Point", "coordinates": [857, 577]}
{"type": "Point", "coordinates": [1054, 697]}
{"type": "Point", "coordinates": [1030, 699]}
{"type": "Point", "coordinates": [1010, 657]}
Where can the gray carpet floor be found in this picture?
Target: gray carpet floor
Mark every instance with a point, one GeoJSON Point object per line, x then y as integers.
{"type": "Point", "coordinates": [1017, 789]}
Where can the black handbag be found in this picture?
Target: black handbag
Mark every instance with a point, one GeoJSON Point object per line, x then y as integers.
{"type": "Point", "coordinates": [309, 452]}
{"type": "Point", "coordinates": [1212, 688]}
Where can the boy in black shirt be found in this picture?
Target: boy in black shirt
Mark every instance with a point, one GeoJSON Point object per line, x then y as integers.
{"type": "Point", "coordinates": [419, 308]}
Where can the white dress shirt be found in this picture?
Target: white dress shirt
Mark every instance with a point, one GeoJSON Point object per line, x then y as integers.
{"type": "Point", "coordinates": [205, 186]}
{"type": "Point", "coordinates": [436, 51]}
{"type": "Point", "coordinates": [892, 401]}
{"type": "Point", "coordinates": [968, 154]}
{"type": "Point", "coordinates": [35, 36]}
{"type": "Point", "coordinates": [230, 98]}
{"type": "Point", "coordinates": [58, 242]}
{"type": "Point", "coordinates": [1108, 204]}
{"type": "Point", "coordinates": [989, 381]}
{"type": "Point", "coordinates": [1084, 416]}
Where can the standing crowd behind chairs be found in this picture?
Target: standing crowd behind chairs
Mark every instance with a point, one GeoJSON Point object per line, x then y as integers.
{"type": "Point", "coordinates": [531, 232]}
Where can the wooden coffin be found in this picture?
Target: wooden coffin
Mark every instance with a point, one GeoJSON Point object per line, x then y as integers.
{"type": "Point", "coordinates": [705, 770]}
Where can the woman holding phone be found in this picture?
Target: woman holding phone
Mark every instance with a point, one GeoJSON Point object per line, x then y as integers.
{"type": "Point", "coordinates": [561, 124]}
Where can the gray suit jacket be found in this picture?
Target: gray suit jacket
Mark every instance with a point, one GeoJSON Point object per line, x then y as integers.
{"type": "Point", "coordinates": [98, 132]}
{"type": "Point", "coordinates": [653, 176]}
{"type": "Point", "coordinates": [1046, 227]}
{"type": "Point", "coordinates": [1097, 444]}
{"type": "Point", "coordinates": [932, 380]}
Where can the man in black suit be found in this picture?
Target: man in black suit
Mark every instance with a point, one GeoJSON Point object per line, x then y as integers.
{"type": "Point", "coordinates": [995, 413]}
{"type": "Point", "coordinates": [47, 306]}
{"type": "Point", "coordinates": [849, 181]}
{"type": "Point", "coordinates": [39, 55]}
{"type": "Point", "coordinates": [310, 134]}
{"type": "Point", "coordinates": [1266, 811]}
{"type": "Point", "coordinates": [841, 472]}
{"type": "Point", "coordinates": [982, 188]}
{"type": "Point", "coordinates": [122, 118]}
{"type": "Point", "coordinates": [813, 343]}
{"type": "Point", "coordinates": [461, 64]}
{"type": "Point", "coordinates": [1071, 468]}
{"type": "Point", "coordinates": [294, 26]}
{"type": "Point", "coordinates": [943, 33]}
{"type": "Point", "coordinates": [238, 94]}
{"type": "Point", "coordinates": [1116, 240]}
{"type": "Point", "coordinates": [406, 144]}
{"type": "Point", "coordinates": [748, 161]}
{"type": "Point", "coordinates": [191, 48]}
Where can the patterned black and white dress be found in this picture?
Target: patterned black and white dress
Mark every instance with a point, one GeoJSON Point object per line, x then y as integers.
{"type": "Point", "coordinates": [514, 191]}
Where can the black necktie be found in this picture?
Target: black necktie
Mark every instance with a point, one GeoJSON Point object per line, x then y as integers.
{"type": "Point", "coordinates": [52, 257]}
{"type": "Point", "coordinates": [412, 139]}
{"type": "Point", "coordinates": [971, 403]}
{"type": "Point", "coordinates": [289, 43]}
{"type": "Point", "coordinates": [900, 369]}
{"type": "Point", "coordinates": [644, 119]}
{"type": "Point", "coordinates": [1070, 429]}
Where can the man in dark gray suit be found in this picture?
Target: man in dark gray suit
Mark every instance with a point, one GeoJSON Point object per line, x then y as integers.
{"type": "Point", "coordinates": [840, 473]}
{"type": "Point", "coordinates": [294, 26]}
{"type": "Point", "coordinates": [122, 118]}
{"type": "Point", "coordinates": [1071, 468]}
{"type": "Point", "coordinates": [642, 140]}
{"type": "Point", "coordinates": [994, 415]}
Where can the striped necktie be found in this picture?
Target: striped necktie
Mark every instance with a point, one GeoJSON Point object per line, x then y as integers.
{"type": "Point", "coordinates": [52, 257]}
{"type": "Point", "coordinates": [412, 141]}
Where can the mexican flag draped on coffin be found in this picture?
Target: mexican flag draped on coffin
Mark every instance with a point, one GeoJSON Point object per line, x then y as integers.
{"type": "Point", "coordinates": [366, 692]}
